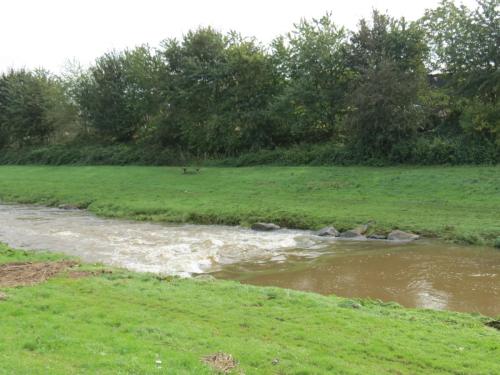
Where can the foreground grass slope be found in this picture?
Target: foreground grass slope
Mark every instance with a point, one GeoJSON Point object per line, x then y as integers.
{"type": "Point", "coordinates": [462, 203]}
{"type": "Point", "coordinates": [123, 323]}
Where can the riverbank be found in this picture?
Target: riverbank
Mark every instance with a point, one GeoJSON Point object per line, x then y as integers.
{"type": "Point", "coordinates": [454, 203]}
{"type": "Point", "coordinates": [88, 319]}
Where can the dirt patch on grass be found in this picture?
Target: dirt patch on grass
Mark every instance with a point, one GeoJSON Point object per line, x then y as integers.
{"type": "Point", "coordinates": [3, 296]}
{"type": "Point", "coordinates": [18, 274]}
{"type": "Point", "coordinates": [221, 362]}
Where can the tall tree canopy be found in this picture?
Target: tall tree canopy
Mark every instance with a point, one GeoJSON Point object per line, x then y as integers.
{"type": "Point", "coordinates": [465, 46]}
{"type": "Point", "coordinates": [118, 95]}
{"type": "Point", "coordinates": [312, 65]}
{"type": "Point", "coordinates": [389, 90]}
{"type": "Point", "coordinates": [386, 102]}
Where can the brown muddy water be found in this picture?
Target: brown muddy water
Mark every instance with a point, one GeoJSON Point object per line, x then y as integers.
{"type": "Point", "coordinates": [424, 273]}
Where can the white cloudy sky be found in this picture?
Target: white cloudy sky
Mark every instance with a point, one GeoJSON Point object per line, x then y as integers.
{"type": "Point", "coordinates": [35, 33]}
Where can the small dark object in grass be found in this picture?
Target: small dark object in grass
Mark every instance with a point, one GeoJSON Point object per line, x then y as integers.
{"type": "Point", "coordinates": [494, 324]}
{"type": "Point", "coordinates": [350, 304]}
{"type": "Point", "coordinates": [185, 170]}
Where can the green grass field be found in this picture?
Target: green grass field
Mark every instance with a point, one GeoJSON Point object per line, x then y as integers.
{"type": "Point", "coordinates": [460, 203]}
{"type": "Point", "coordinates": [123, 323]}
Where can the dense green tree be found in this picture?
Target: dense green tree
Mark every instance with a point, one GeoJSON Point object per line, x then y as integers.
{"type": "Point", "coordinates": [465, 45]}
{"type": "Point", "coordinates": [118, 95]}
{"type": "Point", "coordinates": [62, 112]}
{"type": "Point", "coordinates": [389, 90]}
{"type": "Point", "coordinates": [464, 41]}
{"type": "Point", "coordinates": [191, 86]}
{"type": "Point", "coordinates": [25, 105]}
{"type": "Point", "coordinates": [311, 62]}
{"type": "Point", "coordinates": [217, 91]}
{"type": "Point", "coordinates": [385, 110]}
{"type": "Point", "coordinates": [386, 105]}
{"type": "Point", "coordinates": [4, 125]}
{"type": "Point", "coordinates": [250, 84]}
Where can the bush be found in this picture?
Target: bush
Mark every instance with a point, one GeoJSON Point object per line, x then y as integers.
{"type": "Point", "coordinates": [497, 243]}
{"type": "Point", "coordinates": [424, 151]}
{"type": "Point", "coordinates": [92, 155]}
{"type": "Point", "coordinates": [322, 154]}
{"type": "Point", "coordinates": [439, 150]}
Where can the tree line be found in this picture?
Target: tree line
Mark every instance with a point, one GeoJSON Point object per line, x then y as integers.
{"type": "Point", "coordinates": [388, 90]}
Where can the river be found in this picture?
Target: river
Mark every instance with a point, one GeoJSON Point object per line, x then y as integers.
{"type": "Point", "coordinates": [424, 273]}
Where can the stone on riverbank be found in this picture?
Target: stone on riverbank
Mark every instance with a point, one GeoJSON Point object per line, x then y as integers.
{"type": "Point", "coordinates": [328, 232]}
{"type": "Point", "coordinates": [357, 232]}
{"type": "Point", "coordinates": [353, 233]}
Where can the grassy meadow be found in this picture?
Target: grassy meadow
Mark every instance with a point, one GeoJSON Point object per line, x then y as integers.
{"type": "Point", "coordinates": [129, 323]}
{"type": "Point", "coordinates": [459, 203]}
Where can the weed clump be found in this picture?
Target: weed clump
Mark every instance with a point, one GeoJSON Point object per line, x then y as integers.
{"type": "Point", "coordinates": [497, 243]}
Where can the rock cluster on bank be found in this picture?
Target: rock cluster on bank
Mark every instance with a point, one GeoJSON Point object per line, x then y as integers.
{"type": "Point", "coordinates": [358, 233]}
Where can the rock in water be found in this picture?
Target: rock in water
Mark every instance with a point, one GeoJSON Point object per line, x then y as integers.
{"type": "Point", "coordinates": [377, 237]}
{"type": "Point", "coordinates": [67, 207]}
{"type": "Point", "coordinates": [265, 226]}
{"type": "Point", "coordinates": [399, 235]}
{"type": "Point", "coordinates": [358, 232]}
{"type": "Point", "coordinates": [328, 232]}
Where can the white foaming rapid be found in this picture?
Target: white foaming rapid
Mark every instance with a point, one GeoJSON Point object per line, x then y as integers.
{"type": "Point", "coordinates": [147, 247]}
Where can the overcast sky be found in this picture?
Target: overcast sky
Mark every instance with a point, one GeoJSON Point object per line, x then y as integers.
{"type": "Point", "coordinates": [47, 33]}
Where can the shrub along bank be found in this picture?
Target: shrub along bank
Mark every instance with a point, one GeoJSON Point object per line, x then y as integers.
{"type": "Point", "coordinates": [435, 151]}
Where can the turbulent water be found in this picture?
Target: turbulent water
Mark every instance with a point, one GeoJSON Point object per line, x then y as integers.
{"type": "Point", "coordinates": [423, 273]}
{"type": "Point", "coordinates": [149, 247]}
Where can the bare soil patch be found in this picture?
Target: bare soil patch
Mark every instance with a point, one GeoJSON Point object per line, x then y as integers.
{"type": "Point", "coordinates": [19, 274]}
{"type": "Point", "coordinates": [221, 362]}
